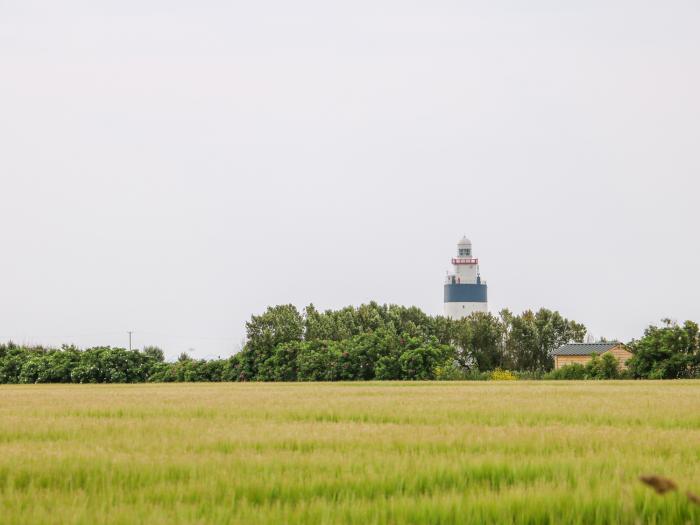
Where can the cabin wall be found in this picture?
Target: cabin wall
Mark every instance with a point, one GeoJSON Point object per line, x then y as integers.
{"type": "Point", "coordinates": [621, 355]}
{"type": "Point", "coordinates": [562, 360]}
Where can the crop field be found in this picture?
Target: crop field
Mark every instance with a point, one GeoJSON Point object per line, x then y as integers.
{"type": "Point", "coordinates": [472, 452]}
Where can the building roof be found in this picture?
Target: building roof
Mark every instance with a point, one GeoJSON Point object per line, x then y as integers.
{"type": "Point", "coordinates": [585, 348]}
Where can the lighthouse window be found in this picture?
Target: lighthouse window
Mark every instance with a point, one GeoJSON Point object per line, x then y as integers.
{"type": "Point", "coordinates": [464, 252]}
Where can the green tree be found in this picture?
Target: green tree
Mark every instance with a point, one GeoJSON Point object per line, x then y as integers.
{"type": "Point", "coordinates": [12, 359]}
{"type": "Point", "coordinates": [50, 366]}
{"type": "Point", "coordinates": [318, 361]}
{"type": "Point", "coordinates": [668, 352]}
{"type": "Point", "coordinates": [479, 339]}
{"type": "Point", "coordinates": [531, 337]}
{"type": "Point", "coordinates": [154, 354]}
{"type": "Point", "coordinates": [278, 325]}
{"type": "Point", "coordinates": [282, 364]}
{"type": "Point", "coordinates": [421, 358]}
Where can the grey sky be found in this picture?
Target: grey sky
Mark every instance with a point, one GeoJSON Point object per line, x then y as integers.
{"type": "Point", "coordinates": [172, 167]}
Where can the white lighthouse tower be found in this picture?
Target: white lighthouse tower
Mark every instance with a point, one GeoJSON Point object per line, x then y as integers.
{"type": "Point", "coordinates": [465, 293]}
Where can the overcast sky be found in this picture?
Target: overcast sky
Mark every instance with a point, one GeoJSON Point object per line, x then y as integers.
{"type": "Point", "coordinates": [173, 167]}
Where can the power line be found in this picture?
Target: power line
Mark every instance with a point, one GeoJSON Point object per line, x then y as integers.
{"type": "Point", "coordinates": [91, 334]}
{"type": "Point", "coordinates": [148, 335]}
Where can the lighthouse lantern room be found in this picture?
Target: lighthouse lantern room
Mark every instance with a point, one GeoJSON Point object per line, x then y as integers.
{"type": "Point", "coordinates": [465, 293]}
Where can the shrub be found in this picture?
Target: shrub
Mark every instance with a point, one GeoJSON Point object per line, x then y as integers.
{"type": "Point", "coordinates": [602, 367]}
{"type": "Point", "coordinates": [529, 375]}
{"type": "Point", "coordinates": [476, 375]}
{"type": "Point", "coordinates": [420, 362]}
{"type": "Point", "coordinates": [449, 372]}
{"type": "Point", "coordinates": [502, 375]}
{"type": "Point", "coordinates": [572, 371]}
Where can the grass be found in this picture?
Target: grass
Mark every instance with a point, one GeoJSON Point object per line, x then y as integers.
{"type": "Point", "coordinates": [385, 453]}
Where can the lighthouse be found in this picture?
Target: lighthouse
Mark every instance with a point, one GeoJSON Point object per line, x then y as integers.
{"type": "Point", "coordinates": [465, 293]}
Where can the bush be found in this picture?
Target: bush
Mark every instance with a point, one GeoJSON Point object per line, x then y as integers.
{"type": "Point", "coordinates": [603, 367]}
{"type": "Point", "coordinates": [572, 371]}
{"type": "Point", "coordinates": [502, 375]}
{"type": "Point", "coordinates": [529, 375]}
{"type": "Point", "coordinates": [449, 372]}
{"type": "Point", "coordinates": [422, 361]}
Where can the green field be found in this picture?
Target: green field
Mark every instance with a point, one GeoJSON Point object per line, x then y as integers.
{"type": "Point", "coordinates": [503, 452]}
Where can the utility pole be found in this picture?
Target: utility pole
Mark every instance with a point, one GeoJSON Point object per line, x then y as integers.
{"type": "Point", "coordinates": [130, 340]}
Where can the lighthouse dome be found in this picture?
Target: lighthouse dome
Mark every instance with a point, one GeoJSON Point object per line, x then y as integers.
{"type": "Point", "coordinates": [464, 242]}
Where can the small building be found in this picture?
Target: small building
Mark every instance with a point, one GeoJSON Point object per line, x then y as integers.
{"type": "Point", "coordinates": [581, 353]}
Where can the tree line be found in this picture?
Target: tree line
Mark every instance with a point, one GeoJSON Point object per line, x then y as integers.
{"type": "Point", "coordinates": [369, 342]}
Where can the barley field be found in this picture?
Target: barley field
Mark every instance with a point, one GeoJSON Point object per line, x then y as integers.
{"type": "Point", "coordinates": [476, 452]}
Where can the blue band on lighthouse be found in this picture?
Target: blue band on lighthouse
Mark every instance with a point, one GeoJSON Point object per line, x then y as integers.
{"type": "Point", "coordinates": [465, 293]}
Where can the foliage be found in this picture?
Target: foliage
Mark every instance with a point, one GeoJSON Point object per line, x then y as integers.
{"type": "Point", "coordinates": [532, 336]}
{"type": "Point", "coordinates": [451, 371]}
{"type": "Point", "coordinates": [421, 357]}
{"type": "Point", "coordinates": [278, 325]}
{"type": "Point", "coordinates": [669, 352]}
{"type": "Point", "coordinates": [189, 370]}
{"type": "Point", "coordinates": [479, 338]}
{"type": "Point", "coordinates": [318, 361]}
{"type": "Point", "coordinates": [568, 372]}
{"type": "Point", "coordinates": [529, 375]}
{"type": "Point", "coordinates": [502, 375]}
{"type": "Point", "coordinates": [282, 364]}
{"type": "Point", "coordinates": [602, 367]}
{"type": "Point", "coordinates": [70, 365]}
{"type": "Point", "coordinates": [371, 341]}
